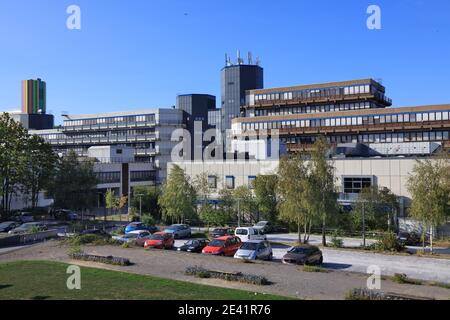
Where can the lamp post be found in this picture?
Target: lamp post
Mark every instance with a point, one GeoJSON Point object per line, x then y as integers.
{"type": "Point", "coordinates": [140, 195]}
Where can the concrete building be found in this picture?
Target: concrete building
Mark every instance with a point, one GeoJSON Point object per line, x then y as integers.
{"type": "Point", "coordinates": [352, 175]}
{"type": "Point", "coordinates": [147, 132]}
{"type": "Point", "coordinates": [236, 79]}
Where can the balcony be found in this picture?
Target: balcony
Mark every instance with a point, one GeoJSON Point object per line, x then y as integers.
{"type": "Point", "coordinates": [379, 97]}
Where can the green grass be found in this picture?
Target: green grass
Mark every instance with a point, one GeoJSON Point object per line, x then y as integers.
{"type": "Point", "coordinates": [35, 280]}
{"type": "Point", "coordinates": [314, 269]}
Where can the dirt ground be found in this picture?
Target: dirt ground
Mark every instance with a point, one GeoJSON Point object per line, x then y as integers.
{"type": "Point", "coordinates": [287, 280]}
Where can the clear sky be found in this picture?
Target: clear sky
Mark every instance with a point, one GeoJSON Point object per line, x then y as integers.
{"type": "Point", "coordinates": [142, 53]}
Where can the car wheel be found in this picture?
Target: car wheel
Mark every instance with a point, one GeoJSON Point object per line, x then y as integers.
{"type": "Point", "coordinates": [270, 257]}
{"type": "Point", "coordinates": [320, 261]}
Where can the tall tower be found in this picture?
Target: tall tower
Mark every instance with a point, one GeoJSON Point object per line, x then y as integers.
{"type": "Point", "coordinates": [34, 100]}
{"type": "Point", "coordinates": [236, 79]}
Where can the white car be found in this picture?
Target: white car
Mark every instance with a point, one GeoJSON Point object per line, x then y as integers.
{"type": "Point", "coordinates": [255, 249]}
{"type": "Point", "coordinates": [132, 236]}
{"type": "Point", "coordinates": [249, 233]}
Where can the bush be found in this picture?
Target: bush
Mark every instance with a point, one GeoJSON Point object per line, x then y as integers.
{"type": "Point", "coordinates": [335, 241]}
{"type": "Point", "coordinates": [403, 279]}
{"type": "Point", "coordinates": [119, 231]}
{"type": "Point", "coordinates": [93, 239]}
{"type": "Point", "coordinates": [239, 277]}
{"type": "Point", "coordinates": [388, 242]}
{"type": "Point", "coordinates": [101, 259]}
{"type": "Point", "coordinates": [148, 220]}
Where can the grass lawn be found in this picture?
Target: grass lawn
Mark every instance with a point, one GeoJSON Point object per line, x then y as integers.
{"type": "Point", "coordinates": [47, 280]}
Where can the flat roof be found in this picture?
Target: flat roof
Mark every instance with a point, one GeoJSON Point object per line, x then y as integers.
{"type": "Point", "coordinates": [121, 113]}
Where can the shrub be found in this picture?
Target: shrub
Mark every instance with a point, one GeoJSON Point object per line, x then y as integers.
{"type": "Point", "coordinates": [335, 241]}
{"type": "Point", "coordinates": [403, 279]}
{"type": "Point", "coordinates": [388, 242]}
{"type": "Point", "coordinates": [101, 259]}
{"type": "Point", "coordinates": [148, 220]}
{"type": "Point", "coordinates": [126, 245]}
{"type": "Point", "coordinates": [239, 277]}
{"type": "Point", "coordinates": [119, 231]}
{"type": "Point", "coordinates": [35, 229]}
{"type": "Point", "coordinates": [93, 239]}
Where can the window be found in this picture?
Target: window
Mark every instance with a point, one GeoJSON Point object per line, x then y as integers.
{"type": "Point", "coordinates": [212, 182]}
{"type": "Point", "coordinates": [356, 184]}
{"type": "Point", "coordinates": [229, 182]}
{"type": "Point", "coordinates": [251, 182]}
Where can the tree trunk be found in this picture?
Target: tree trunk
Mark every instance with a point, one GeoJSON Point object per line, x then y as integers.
{"type": "Point", "coordinates": [431, 239]}
{"type": "Point", "coordinates": [324, 238]}
{"type": "Point", "coordinates": [299, 233]}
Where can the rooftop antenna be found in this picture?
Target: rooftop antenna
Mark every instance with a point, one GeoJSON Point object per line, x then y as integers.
{"type": "Point", "coordinates": [250, 58]}
{"type": "Point", "coordinates": [258, 62]}
{"type": "Point", "coordinates": [239, 60]}
{"type": "Point", "coordinates": [226, 59]}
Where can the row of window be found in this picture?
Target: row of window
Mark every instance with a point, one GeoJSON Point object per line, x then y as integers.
{"type": "Point", "coordinates": [135, 176]}
{"type": "Point", "coordinates": [426, 136]}
{"type": "Point", "coordinates": [138, 176]}
{"type": "Point", "coordinates": [100, 134]}
{"type": "Point", "coordinates": [349, 121]}
{"type": "Point", "coordinates": [229, 182]}
{"type": "Point", "coordinates": [316, 93]}
{"type": "Point", "coordinates": [110, 120]}
{"type": "Point", "coordinates": [315, 109]}
{"type": "Point", "coordinates": [356, 184]}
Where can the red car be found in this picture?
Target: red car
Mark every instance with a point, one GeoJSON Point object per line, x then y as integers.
{"type": "Point", "coordinates": [223, 246]}
{"type": "Point", "coordinates": [160, 240]}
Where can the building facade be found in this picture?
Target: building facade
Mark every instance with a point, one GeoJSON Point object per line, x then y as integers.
{"type": "Point", "coordinates": [34, 96]}
{"type": "Point", "coordinates": [235, 81]}
{"type": "Point", "coordinates": [343, 112]}
{"type": "Point", "coordinates": [147, 132]}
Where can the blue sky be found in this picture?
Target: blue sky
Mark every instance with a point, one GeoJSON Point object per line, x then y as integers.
{"type": "Point", "coordinates": [142, 53]}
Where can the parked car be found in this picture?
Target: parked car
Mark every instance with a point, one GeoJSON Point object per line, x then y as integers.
{"type": "Point", "coordinates": [409, 238]}
{"type": "Point", "coordinates": [63, 214]}
{"type": "Point", "coordinates": [264, 226]}
{"type": "Point", "coordinates": [223, 246]}
{"type": "Point", "coordinates": [133, 236]}
{"type": "Point", "coordinates": [24, 217]}
{"type": "Point", "coordinates": [249, 233]}
{"type": "Point", "coordinates": [8, 225]}
{"type": "Point", "coordinates": [136, 226]}
{"type": "Point", "coordinates": [160, 240]}
{"type": "Point", "coordinates": [221, 232]}
{"type": "Point", "coordinates": [26, 227]}
{"type": "Point", "coordinates": [255, 249]}
{"type": "Point", "coordinates": [179, 231]}
{"type": "Point", "coordinates": [194, 245]}
{"type": "Point", "coordinates": [304, 254]}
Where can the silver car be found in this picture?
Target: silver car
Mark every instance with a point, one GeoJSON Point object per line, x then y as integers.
{"type": "Point", "coordinates": [255, 249]}
{"type": "Point", "coordinates": [179, 231]}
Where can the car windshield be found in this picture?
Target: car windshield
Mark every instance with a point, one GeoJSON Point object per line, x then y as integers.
{"type": "Point", "coordinates": [300, 250]}
{"type": "Point", "coordinates": [249, 246]}
{"type": "Point", "coordinates": [219, 231]}
{"type": "Point", "coordinates": [157, 237]}
{"type": "Point", "coordinates": [261, 224]}
{"type": "Point", "coordinates": [242, 232]}
{"type": "Point", "coordinates": [5, 224]}
{"type": "Point", "coordinates": [217, 243]}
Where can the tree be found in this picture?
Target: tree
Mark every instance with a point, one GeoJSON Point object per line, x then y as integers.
{"type": "Point", "coordinates": [323, 184]}
{"type": "Point", "coordinates": [295, 194]}
{"type": "Point", "coordinates": [207, 213]}
{"type": "Point", "coordinates": [378, 204]}
{"type": "Point", "coordinates": [73, 186]}
{"type": "Point", "coordinates": [266, 197]}
{"type": "Point", "coordinates": [245, 200]}
{"type": "Point", "coordinates": [39, 169]}
{"type": "Point", "coordinates": [430, 191]}
{"type": "Point", "coordinates": [13, 138]}
{"type": "Point", "coordinates": [178, 199]}
{"type": "Point", "coordinates": [150, 196]}
{"type": "Point", "coordinates": [227, 208]}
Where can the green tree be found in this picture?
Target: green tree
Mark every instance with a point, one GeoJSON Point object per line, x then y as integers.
{"type": "Point", "coordinates": [39, 169]}
{"type": "Point", "coordinates": [266, 197]}
{"type": "Point", "coordinates": [73, 186]}
{"type": "Point", "coordinates": [207, 213]}
{"type": "Point", "coordinates": [323, 184]}
{"type": "Point", "coordinates": [13, 138]}
{"type": "Point", "coordinates": [429, 188]}
{"type": "Point", "coordinates": [379, 205]}
{"type": "Point", "coordinates": [226, 213]}
{"type": "Point", "coordinates": [178, 198]}
{"type": "Point", "coordinates": [246, 204]}
{"type": "Point", "coordinates": [150, 196]}
{"type": "Point", "coordinates": [294, 193]}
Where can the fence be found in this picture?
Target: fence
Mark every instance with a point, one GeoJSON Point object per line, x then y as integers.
{"type": "Point", "coordinates": [21, 239]}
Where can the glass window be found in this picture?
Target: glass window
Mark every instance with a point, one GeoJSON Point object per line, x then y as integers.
{"type": "Point", "coordinates": [212, 182]}
{"type": "Point", "coordinates": [229, 181]}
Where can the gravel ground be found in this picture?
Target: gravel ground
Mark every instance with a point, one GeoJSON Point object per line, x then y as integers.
{"type": "Point", "coordinates": [287, 280]}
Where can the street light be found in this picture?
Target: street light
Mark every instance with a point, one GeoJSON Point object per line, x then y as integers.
{"type": "Point", "coordinates": [140, 195]}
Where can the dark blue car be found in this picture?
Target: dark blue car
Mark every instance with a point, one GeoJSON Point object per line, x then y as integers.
{"type": "Point", "coordinates": [137, 226]}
